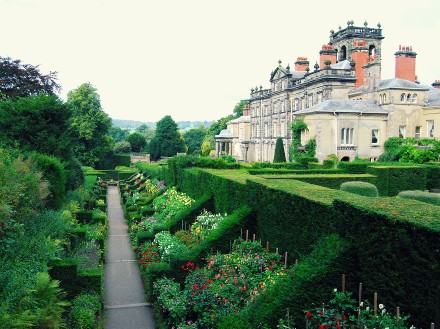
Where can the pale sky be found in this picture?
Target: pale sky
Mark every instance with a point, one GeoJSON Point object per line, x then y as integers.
{"type": "Point", "coordinates": [195, 59]}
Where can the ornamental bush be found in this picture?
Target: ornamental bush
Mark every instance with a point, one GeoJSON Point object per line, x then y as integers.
{"type": "Point", "coordinates": [427, 197]}
{"type": "Point", "coordinates": [84, 311]}
{"type": "Point", "coordinates": [279, 156]}
{"type": "Point", "coordinates": [360, 188]}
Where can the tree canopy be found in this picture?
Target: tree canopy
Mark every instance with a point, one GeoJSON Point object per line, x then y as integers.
{"type": "Point", "coordinates": [137, 142]}
{"type": "Point", "coordinates": [36, 123]}
{"type": "Point", "coordinates": [21, 80]}
{"type": "Point", "coordinates": [90, 123]}
{"type": "Point", "coordinates": [168, 137]}
{"type": "Point", "coordinates": [194, 139]}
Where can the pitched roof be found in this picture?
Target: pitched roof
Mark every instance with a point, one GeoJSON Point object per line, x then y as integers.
{"type": "Point", "coordinates": [396, 83]}
{"type": "Point", "coordinates": [344, 106]}
{"type": "Point", "coordinates": [243, 118]}
{"type": "Point", "coordinates": [433, 97]}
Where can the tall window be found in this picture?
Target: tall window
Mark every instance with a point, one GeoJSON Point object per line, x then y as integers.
{"type": "Point", "coordinates": [274, 130]}
{"type": "Point", "coordinates": [375, 136]}
{"type": "Point", "coordinates": [402, 131]}
{"type": "Point", "coordinates": [265, 130]}
{"type": "Point", "coordinates": [417, 132]}
{"type": "Point", "coordinates": [296, 104]}
{"type": "Point", "coordinates": [430, 128]}
{"type": "Point", "coordinates": [414, 98]}
{"type": "Point", "coordinates": [347, 136]}
{"type": "Point", "coordinates": [402, 98]}
{"type": "Point", "coordinates": [384, 98]}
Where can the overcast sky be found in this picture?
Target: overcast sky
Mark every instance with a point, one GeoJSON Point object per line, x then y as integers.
{"type": "Point", "coordinates": [195, 59]}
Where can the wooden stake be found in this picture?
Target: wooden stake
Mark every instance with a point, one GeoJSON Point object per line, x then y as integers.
{"type": "Point", "coordinates": [267, 246]}
{"type": "Point", "coordinates": [182, 224]}
{"type": "Point", "coordinates": [398, 316]}
{"type": "Point", "coordinates": [253, 238]}
{"type": "Point", "coordinates": [247, 235]}
{"type": "Point", "coordinates": [360, 293]}
{"type": "Point", "coordinates": [241, 234]}
{"type": "Point", "coordinates": [285, 260]}
{"type": "Point", "coordinates": [432, 325]}
{"type": "Point", "coordinates": [230, 246]}
{"type": "Point", "coordinates": [276, 251]}
{"type": "Point", "coordinates": [343, 283]}
{"type": "Point", "coordinates": [375, 304]}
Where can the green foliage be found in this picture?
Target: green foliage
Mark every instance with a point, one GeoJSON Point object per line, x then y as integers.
{"type": "Point", "coordinates": [353, 167]}
{"type": "Point", "coordinates": [37, 124]}
{"type": "Point", "coordinates": [279, 155]}
{"type": "Point", "coordinates": [194, 139]}
{"type": "Point", "coordinates": [53, 171]}
{"type": "Point", "coordinates": [146, 131]}
{"type": "Point", "coordinates": [23, 80]}
{"type": "Point", "coordinates": [410, 150]}
{"type": "Point", "coordinates": [219, 125]}
{"type": "Point", "coordinates": [154, 149]}
{"type": "Point", "coordinates": [421, 196]}
{"type": "Point", "coordinates": [90, 125]}
{"type": "Point", "coordinates": [137, 141]}
{"type": "Point", "coordinates": [84, 311]}
{"type": "Point", "coordinates": [297, 126]}
{"type": "Point", "coordinates": [168, 137]}
{"type": "Point", "coordinates": [122, 147]}
{"type": "Point", "coordinates": [74, 174]}
{"type": "Point", "coordinates": [360, 188]}
{"type": "Point", "coordinates": [288, 165]}
{"type": "Point", "coordinates": [206, 148]}
{"type": "Point", "coordinates": [118, 134]}
{"type": "Point", "coordinates": [238, 108]}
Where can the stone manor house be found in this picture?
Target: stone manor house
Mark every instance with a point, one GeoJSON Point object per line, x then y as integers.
{"type": "Point", "coordinates": [348, 108]}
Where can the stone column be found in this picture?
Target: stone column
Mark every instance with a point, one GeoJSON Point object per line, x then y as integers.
{"type": "Point", "coordinates": [230, 148]}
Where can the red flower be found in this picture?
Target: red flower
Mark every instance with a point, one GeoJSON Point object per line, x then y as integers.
{"type": "Point", "coordinates": [205, 286]}
{"type": "Point", "coordinates": [308, 314]}
{"type": "Point", "coordinates": [196, 286]}
{"type": "Point", "coordinates": [192, 293]}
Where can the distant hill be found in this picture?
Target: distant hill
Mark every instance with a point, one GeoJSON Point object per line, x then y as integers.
{"type": "Point", "coordinates": [183, 125]}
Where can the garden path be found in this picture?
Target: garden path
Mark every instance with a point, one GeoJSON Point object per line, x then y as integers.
{"type": "Point", "coordinates": [125, 304]}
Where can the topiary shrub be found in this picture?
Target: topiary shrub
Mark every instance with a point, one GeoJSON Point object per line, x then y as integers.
{"type": "Point", "coordinates": [85, 310]}
{"type": "Point", "coordinates": [279, 156]}
{"type": "Point", "coordinates": [427, 197]}
{"type": "Point", "coordinates": [360, 188]}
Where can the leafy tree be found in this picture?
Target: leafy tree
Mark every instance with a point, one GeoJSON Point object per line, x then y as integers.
{"type": "Point", "coordinates": [194, 139]}
{"type": "Point", "coordinates": [297, 126]}
{"type": "Point", "coordinates": [238, 109]}
{"type": "Point", "coordinates": [219, 125]}
{"type": "Point", "coordinates": [122, 147]}
{"type": "Point", "coordinates": [37, 123]}
{"type": "Point", "coordinates": [206, 148]}
{"type": "Point", "coordinates": [137, 141]}
{"type": "Point", "coordinates": [146, 131]}
{"type": "Point", "coordinates": [91, 125]}
{"type": "Point", "coordinates": [168, 137]}
{"type": "Point", "coordinates": [118, 134]}
{"type": "Point", "coordinates": [22, 80]}
{"type": "Point", "coordinates": [279, 156]}
{"type": "Point", "coordinates": [154, 149]}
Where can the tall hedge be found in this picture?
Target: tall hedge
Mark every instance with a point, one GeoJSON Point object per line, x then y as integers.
{"type": "Point", "coordinates": [280, 155]}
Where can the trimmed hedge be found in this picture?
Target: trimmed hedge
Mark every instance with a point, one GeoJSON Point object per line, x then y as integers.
{"type": "Point", "coordinates": [353, 167]}
{"type": "Point", "coordinates": [287, 165]}
{"type": "Point", "coordinates": [272, 171]}
{"type": "Point", "coordinates": [422, 196]}
{"type": "Point", "coordinates": [360, 188]}
{"type": "Point", "coordinates": [393, 179]}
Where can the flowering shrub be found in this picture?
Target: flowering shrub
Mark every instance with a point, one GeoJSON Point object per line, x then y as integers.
{"type": "Point", "coordinates": [170, 203]}
{"type": "Point", "coordinates": [227, 283]}
{"type": "Point", "coordinates": [205, 222]}
{"type": "Point", "coordinates": [170, 299]}
{"type": "Point", "coordinates": [147, 254]}
{"type": "Point", "coordinates": [152, 187]}
{"type": "Point", "coordinates": [168, 245]}
{"type": "Point", "coordinates": [344, 312]}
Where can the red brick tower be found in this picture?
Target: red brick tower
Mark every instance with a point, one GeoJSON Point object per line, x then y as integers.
{"type": "Point", "coordinates": [360, 56]}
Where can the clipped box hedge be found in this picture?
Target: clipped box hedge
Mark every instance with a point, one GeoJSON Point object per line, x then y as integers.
{"type": "Point", "coordinates": [353, 167]}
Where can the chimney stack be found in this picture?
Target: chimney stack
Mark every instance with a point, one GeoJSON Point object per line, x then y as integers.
{"type": "Point", "coordinates": [436, 84]}
{"type": "Point", "coordinates": [327, 53]}
{"type": "Point", "coordinates": [360, 56]}
{"type": "Point", "coordinates": [301, 64]}
{"type": "Point", "coordinates": [406, 63]}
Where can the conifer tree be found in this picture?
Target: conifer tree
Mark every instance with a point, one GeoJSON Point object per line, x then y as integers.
{"type": "Point", "coordinates": [279, 156]}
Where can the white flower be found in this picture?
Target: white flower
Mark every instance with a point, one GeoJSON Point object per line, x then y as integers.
{"type": "Point", "coordinates": [361, 304]}
{"type": "Point", "coordinates": [335, 290]}
{"type": "Point", "coordinates": [381, 306]}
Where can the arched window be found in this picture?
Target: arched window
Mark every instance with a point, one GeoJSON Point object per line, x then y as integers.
{"type": "Point", "coordinates": [343, 53]}
{"type": "Point", "coordinates": [380, 99]}
{"type": "Point", "coordinates": [403, 98]}
{"type": "Point", "coordinates": [384, 98]}
{"type": "Point", "coordinates": [372, 52]}
{"type": "Point", "coordinates": [408, 98]}
{"type": "Point", "coordinates": [414, 98]}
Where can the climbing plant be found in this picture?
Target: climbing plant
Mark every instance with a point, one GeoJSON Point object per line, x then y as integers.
{"type": "Point", "coordinates": [294, 154]}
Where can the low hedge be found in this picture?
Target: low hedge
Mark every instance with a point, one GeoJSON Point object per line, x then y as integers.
{"type": "Point", "coordinates": [360, 188]}
{"type": "Point", "coordinates": [272, 171]}
{"type": "Point", "coordinates": [283, 165]}
{"type": "Point", "coordinates": [422, 196]}
{"type": "Point", "coordinates": [353, 167]}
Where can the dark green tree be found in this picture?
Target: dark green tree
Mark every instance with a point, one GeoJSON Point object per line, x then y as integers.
{"type": "Point", "coordinates": [118, 134]}
{"type": "Point", "coordinates": [154, 149]}
{"type": "Point", "coordinates": [219, 125]}
{"type": "Point", "coordinates": [137, 142]}
{"type": "Point", "coordinates": [90, 124]}
{"type": "Point", "coordinates": [22, 80]}
{"type": "Point", "coordinates": [194, 139]}
{"type": "Point", "coordinates": [169, 138]}
{"type": "Point", "coordinates": [37, 123]}
{"type": "Point", "coordinates": [280, 155]}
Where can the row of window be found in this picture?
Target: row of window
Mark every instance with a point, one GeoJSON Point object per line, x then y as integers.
{"type": "Point", "coordinates": [277, 130]}
{"type": "Point", "coordinates": [404, 98]}
{"type": "Point", "coordinates": [418, 129]}
{"type": "Point", "coordinates": [296, 104]}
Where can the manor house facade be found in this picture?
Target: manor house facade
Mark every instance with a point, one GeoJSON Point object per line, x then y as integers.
{"type": "Point", "coordinates": [349, 110]}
